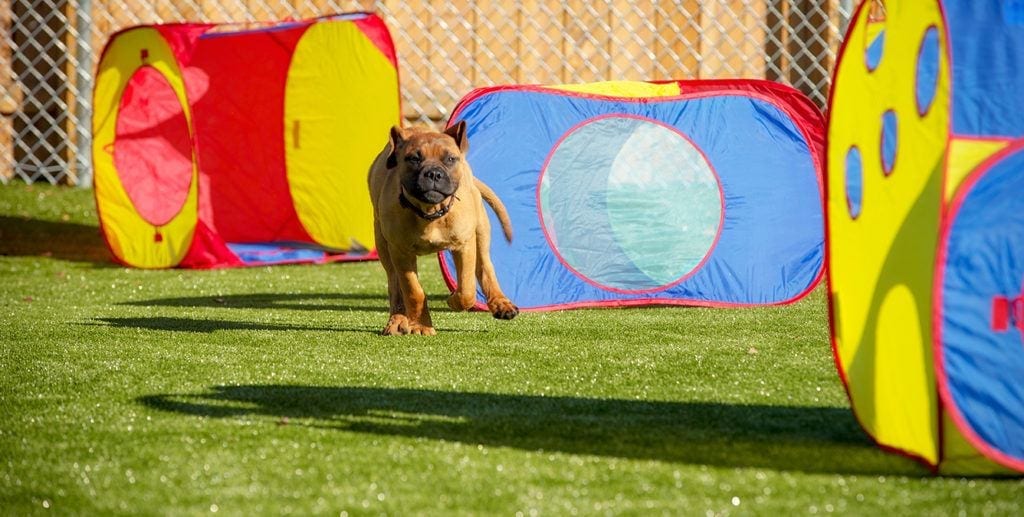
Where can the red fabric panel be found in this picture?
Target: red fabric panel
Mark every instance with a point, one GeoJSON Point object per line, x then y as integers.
{"type": "Point", "coordinates": [182, 38]}
{"type": "Point", "coordinates": [377, 32]}
{"type": "Point", "coordinates": [1000, 314]}
{"type": "Point", "coordinates": [239, 127]}
{"type": "Point", "coordinates": [152, 147]}
{"type": "Point", "coordinates": [208, 251]}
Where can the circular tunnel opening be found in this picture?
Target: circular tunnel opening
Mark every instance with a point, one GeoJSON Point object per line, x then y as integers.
{"type": "Point", "coordinates": [629, 204]}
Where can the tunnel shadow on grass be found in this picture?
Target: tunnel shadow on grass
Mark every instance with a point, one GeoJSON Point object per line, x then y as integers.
{"type": "Point", "coordinates": [808, 439]}
{"type": "Point", "coordinates": [26, 237]}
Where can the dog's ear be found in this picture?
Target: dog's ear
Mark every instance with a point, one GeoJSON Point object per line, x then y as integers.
{"type": "Point", "coordinates": [458, 133]}
{"type": "Point", "coordinates": [395, 141]}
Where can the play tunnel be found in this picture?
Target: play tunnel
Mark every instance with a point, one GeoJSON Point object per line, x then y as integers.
{"type": "Point", "coordinates": [640, 193]}
{"type": "Point", "coordinates": [227, 145]}
{"type": "Point", "coordinates": [926, 229]}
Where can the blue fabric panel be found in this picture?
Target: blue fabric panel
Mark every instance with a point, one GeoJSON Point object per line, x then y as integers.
{"type": "Point", "coordinates": [282, 26]}
{"type": "Point", "coordinates": [770, 245]}
{"type": "Point", "coordinates": [927, 70]}
{"type": "Point", "coordinates": [890, 143]}
{"type": "Point", "coordinates": [270, 253]}
{"type": "Point", "coordinates": [985, 258]}
{"type": "Point", "coordinates": [988, 66]}
{"type": "Point", "coordinates": [873, 54]}
{"type": "Point", "coordinates": [1013, 12]}
{"type": "Point", "coordinates": [854, 181]}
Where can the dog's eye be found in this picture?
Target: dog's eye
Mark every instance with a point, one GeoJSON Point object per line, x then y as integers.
{"type": "Point", "coordinates": [450, 160]}
{"type": "Point", "coordinates": [413, 159]}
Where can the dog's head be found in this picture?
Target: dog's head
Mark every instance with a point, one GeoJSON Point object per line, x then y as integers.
{"type": "Point", "coordinates": [430, 164]}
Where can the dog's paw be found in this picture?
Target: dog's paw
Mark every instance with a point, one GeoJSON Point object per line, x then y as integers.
{"type": "Point", "coordinates": [458, 304]}
{"type": "Point", "coordinates": [503, 308]}
{"type": "Point", "coordinates": [417, 329]}
{"type": "Point", "coordinates": [398, 325]}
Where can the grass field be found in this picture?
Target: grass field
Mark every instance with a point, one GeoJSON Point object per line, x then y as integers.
{"type": "Point", "coordinates": [267, 391]}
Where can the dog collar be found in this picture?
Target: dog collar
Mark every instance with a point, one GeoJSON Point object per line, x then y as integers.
{"type": "Point", "coordinates": [404, 201]}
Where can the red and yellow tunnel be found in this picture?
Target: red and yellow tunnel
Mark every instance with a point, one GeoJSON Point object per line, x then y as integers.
{"type": "Point", "coordinates": [212, 139]}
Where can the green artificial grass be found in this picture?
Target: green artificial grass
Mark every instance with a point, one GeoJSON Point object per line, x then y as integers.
{"type": "Point", "coordinates": [268, 391]}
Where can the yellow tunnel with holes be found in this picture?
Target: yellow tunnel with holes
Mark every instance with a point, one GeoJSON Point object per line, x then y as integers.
{"type": "Point", "coordinates": [895, 160]}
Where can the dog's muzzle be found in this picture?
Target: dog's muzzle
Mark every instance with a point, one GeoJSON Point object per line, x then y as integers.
{"type": "Point", "coordinates": [433, 185]}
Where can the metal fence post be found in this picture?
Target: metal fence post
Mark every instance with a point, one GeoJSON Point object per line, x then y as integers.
{"type": "Point", "coordinates": [83, 100]}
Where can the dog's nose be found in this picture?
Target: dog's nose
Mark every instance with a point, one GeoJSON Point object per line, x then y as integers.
{"type": "Point", "coordinates": [433, 174]}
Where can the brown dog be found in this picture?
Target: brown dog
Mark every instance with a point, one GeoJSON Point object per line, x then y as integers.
{"type": "Point", "coordinates": [425, 200]}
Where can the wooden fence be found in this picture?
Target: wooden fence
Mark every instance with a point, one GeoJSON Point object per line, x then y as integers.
{"type": "Point", "coordinates": [446, 48]}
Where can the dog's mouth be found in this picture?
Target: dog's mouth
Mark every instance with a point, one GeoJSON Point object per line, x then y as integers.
{"type": "Point", "coordinates": [433, 196]}
{"type": "Point", "coordinates": [431, 185]}
{"type": "Point", "coordinates": [432, 192]}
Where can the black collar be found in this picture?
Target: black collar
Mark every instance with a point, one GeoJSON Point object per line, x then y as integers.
{"type": "Point", "coordinates": [441, 212]}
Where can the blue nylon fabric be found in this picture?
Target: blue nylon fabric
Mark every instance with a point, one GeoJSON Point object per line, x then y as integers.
{"type": "Point", "coordinates": [771, 245]}
{"type": "Point", "coordinates": [988, 67]}
{"type": "Point", "coordinates": [890, 142]}
{"type": "Point", "coordinates": [873, 54]}
{"type": "Point", "coordinates": [854, 181]}
{"type": "Point", "coordinates": [1013, 12]}
{"type": "Point", "coordinates": [283, 26]}
{"type": "Point", "coordinates": [927, 66]}
{"type": "Point", "coordinates": [985, 258]}
{"type": "Point", "coordinates": [267, 254]}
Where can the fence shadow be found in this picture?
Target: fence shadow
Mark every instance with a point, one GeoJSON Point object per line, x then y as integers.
{"type": "Point", "coordinates": [75, 242]}
{"type": "Point", "coordinates": [808, 439]}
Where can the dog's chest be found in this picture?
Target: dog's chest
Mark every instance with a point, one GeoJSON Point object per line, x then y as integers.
{"type": "Point", "coordinates": [435, 238]}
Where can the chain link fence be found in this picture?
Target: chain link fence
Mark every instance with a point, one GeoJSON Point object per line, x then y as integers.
{"type": "Point", "coordinates": [49, 50]}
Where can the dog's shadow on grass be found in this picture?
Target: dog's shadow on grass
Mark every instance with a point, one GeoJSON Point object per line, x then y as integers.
{"type": "Point", "coordinates": [808, 439]}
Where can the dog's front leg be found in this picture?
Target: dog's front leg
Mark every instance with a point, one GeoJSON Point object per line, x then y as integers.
{"type": "Point", "coordinates": [397, 324]}
{"type": "Point", "coordinates": [464, 296]}
{"type": "Point", "coordinates": [412, 294]}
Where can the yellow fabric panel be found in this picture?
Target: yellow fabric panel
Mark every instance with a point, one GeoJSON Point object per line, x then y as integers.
{"type": "Point", "coordinates": [903, 368]}
{"type": "Point", "coordinates": [965, 156]}
{"type": "Point", "coordinates": [960, 458]}
{"type": "Point", "coordinates": [873, 29]}
{"type": "Point", "coordinates": [882, 263]}
{"type": "Point", "coordinates": [132, 238]}
{"type": "Point", "coordinates": [629, 89]}
{"type": "Point", "coordinates": [341, 100]}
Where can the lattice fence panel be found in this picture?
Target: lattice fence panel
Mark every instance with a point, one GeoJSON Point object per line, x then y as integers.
{"type": "Point", "coordinates": [49, 50]}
